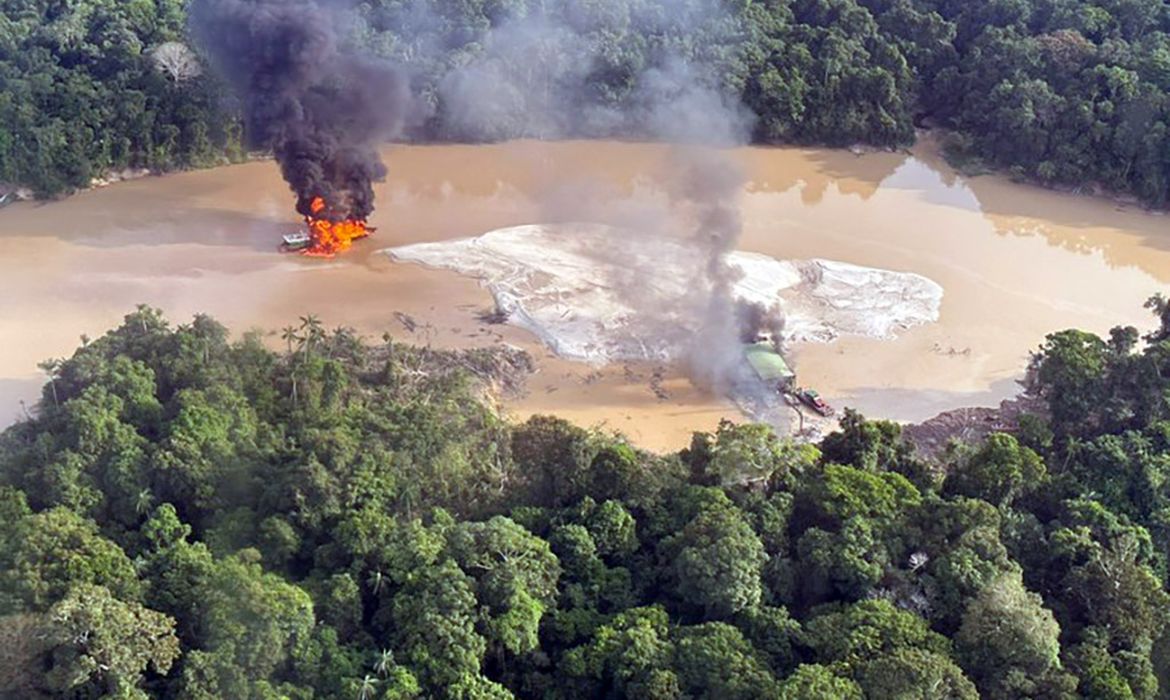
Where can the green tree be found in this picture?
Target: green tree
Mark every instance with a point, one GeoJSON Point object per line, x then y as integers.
{"type": "Point", "coordinates": [515, 576]}
{"type": "Point", "coordinates": [630, 657]}
{"type": "Point", "coordinates": [998, 471]}
{"type": "Point", "coordinates": [813, 682]}
{"type": "Point", "coordinates": [434, 618]}
{"type": "Point", "coordinates": [104, 644]}
{"type": "Point", "coordinates": [749, 454]}
{"type": "Point", "coordinates": [716, 565]}
{"type": "Point", "coordinates": [915, 674]}
{"type": "Point", "coordinates": [1008, 641]}
{"type": "Point", "coordinates": [867, 630]}
{"type": "Point", "coordinates": [714, 660]}
{"type": "Point", "coordinates": [249, 623]}
{"type": "Point", "coordinates": [874, 446]}
{"type": "Point", "coordinates": [48, 553]}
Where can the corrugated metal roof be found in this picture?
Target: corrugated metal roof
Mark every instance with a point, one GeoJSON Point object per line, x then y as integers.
{"type": "Point", "coordinates": [766, 362]}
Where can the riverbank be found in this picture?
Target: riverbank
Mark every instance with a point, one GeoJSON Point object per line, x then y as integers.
{"type": "Point", "coordinates": [1015, 263]}
{"type": "Point", "coordinates": [936, 141]}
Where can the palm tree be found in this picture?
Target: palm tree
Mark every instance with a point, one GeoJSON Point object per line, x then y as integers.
{"type": "Point", "coordinates": [143, 501]}
{"type": "Point", "coordinates": [385, 662]}
{"type": "Point", "coordinates": [366, 689]}
{"type": "Point", "coordinates": [376, 581]}
{"type": "Point", "coordinates": [52, 368]}
{"type": "Point", "coordinates": [310, 321]}
{"type": "Point", "coordinates": [316, 331]}
{"type": "Point", "coordinates": [289, 334]}
{"type": "Point", "coordinates": [142, 311]}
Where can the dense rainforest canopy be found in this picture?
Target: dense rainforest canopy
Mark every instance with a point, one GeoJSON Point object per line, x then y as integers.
{"type": "Point", "coordinates": [1067, 92]}
{"type": "Point", "coordinates": [187, 516]}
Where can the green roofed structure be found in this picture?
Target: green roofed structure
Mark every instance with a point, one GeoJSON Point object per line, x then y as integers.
{"type": "Point", "coordinates": [769, 365]}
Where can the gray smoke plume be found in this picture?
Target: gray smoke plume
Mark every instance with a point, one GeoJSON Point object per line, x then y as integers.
{"type": "Point", "coordinates": [322, 109]}
{"type": "Point", "coordinates": [538, 76]}
{"type": "Point", "coordinates": [549, 69]}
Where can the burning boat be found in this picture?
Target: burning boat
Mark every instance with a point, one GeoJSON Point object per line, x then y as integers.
{"type": "Point", "coordinates": [325, 235]}
{"type": "Point", "coordinates": [768, 364]}
{"type": "Point", "coordinates": [295, 241]}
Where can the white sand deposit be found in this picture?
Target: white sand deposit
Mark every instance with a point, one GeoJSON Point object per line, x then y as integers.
{"type": "Point", "coordinates": [599, 294]}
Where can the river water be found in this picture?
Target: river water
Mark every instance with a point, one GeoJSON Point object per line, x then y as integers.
{"type": "Point", "coordinates": [1016, 262]}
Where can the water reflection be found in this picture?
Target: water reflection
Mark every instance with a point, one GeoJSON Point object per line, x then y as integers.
{"type": "Point", "coordinates": [1123, 236]}
{"type": "Point", "coordinates": [934, 185]}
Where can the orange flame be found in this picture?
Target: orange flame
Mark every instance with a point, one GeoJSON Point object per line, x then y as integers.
{"type": "Point", "coordinates": [332, 237]}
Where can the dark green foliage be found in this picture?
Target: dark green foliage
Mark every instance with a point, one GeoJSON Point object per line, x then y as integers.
{"type": "Point", "coordinates": [866, 630]}
{"type": "Point", "coordinates": [714, 563]}
{"type": "Point", "coordinates": [81, 95]}
{"type": "Point", "coordinates": [1066, 92]}
{"type": "Point", "coordinates": [814, 682]}
{"type": "Point", "coordinates": [997, 472]}
{"type": "Point", "coordinates": [188, 516]}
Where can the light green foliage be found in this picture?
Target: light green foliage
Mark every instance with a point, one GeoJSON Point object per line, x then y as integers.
{"type": "Point", "coordinates": [632, 655]}
{"type": "Point", "coordinates": [714, 660]}
{"type": "Point", "coordinates": [866, 630]}
{"type": "Point", "coordinates": [1069, 372]}
{"type": "Point", "coordinates": [915, 674]}
{"type": "Point", "coordinates": [853, 519]}
{"type": "Point", "coordinates": [1008, 641]}
{"type": "Point", "coordinates": [613, 529]}
{"type": "Point", "coordinates": [840, 493]}
{"type": "Point", "coordinates": [515, 574]}
{"type": "Point", "coordinates": [747, 454]}
{"type": "Point", "coordinates": [434, 626]}
{"type": "Point", "coordinates": [816, 682]}
{"type": "Point", "coordinates": [49, 552]}
{"type": "Point", "coordinates": [249, 621]}
{"type": "Point", "coordinates": [103, 642]}
{"type": "Point", "coordinates": [874, 446]}
{"type": "Point", "coordinates": [717, 563]}
{"type": "Point", "coordinates": [1098, 669]}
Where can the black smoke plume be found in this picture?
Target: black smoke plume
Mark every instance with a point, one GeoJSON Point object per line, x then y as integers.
{"type": "Point", "coordinates": [756, 320]}
{"type": "Point", "coordinates": [322, 110]}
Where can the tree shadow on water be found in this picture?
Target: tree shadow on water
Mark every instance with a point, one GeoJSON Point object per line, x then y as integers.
{"type": "Point", "coordinates": [916, 405]}
{"type": "Point", "coordinates": [196, 226]}
{"type": "Point", "coordinates": [18, 398]}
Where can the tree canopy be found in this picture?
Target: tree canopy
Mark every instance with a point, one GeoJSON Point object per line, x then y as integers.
{"type": "Point", "coordinates": [190, 516]}
{"type": "Point", "coordinates": [1065, 92]}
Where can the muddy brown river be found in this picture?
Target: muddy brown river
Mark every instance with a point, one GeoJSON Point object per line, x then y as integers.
{"type": "Point", "coordinates": [1016, 262]}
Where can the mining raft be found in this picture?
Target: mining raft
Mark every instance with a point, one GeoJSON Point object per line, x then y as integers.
{"type": "Point", "coordinates": [297, 240]}
{"type": "Point", "coordinates": [769, 366]}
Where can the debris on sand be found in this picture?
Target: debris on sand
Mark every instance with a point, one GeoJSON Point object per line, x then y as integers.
{"type": "Point", "coordinates": [656, 380]}
{"type": "Point", "coordinates": [407, 321]}
{"type": "Point", "coordinates": [494, 316]}
{"type": "Point", "coordinates": [969, 425]}
{"type": "Point", "coordinates": [568, 285]}
{"type": "Point", "coordinates": [501, 371]}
